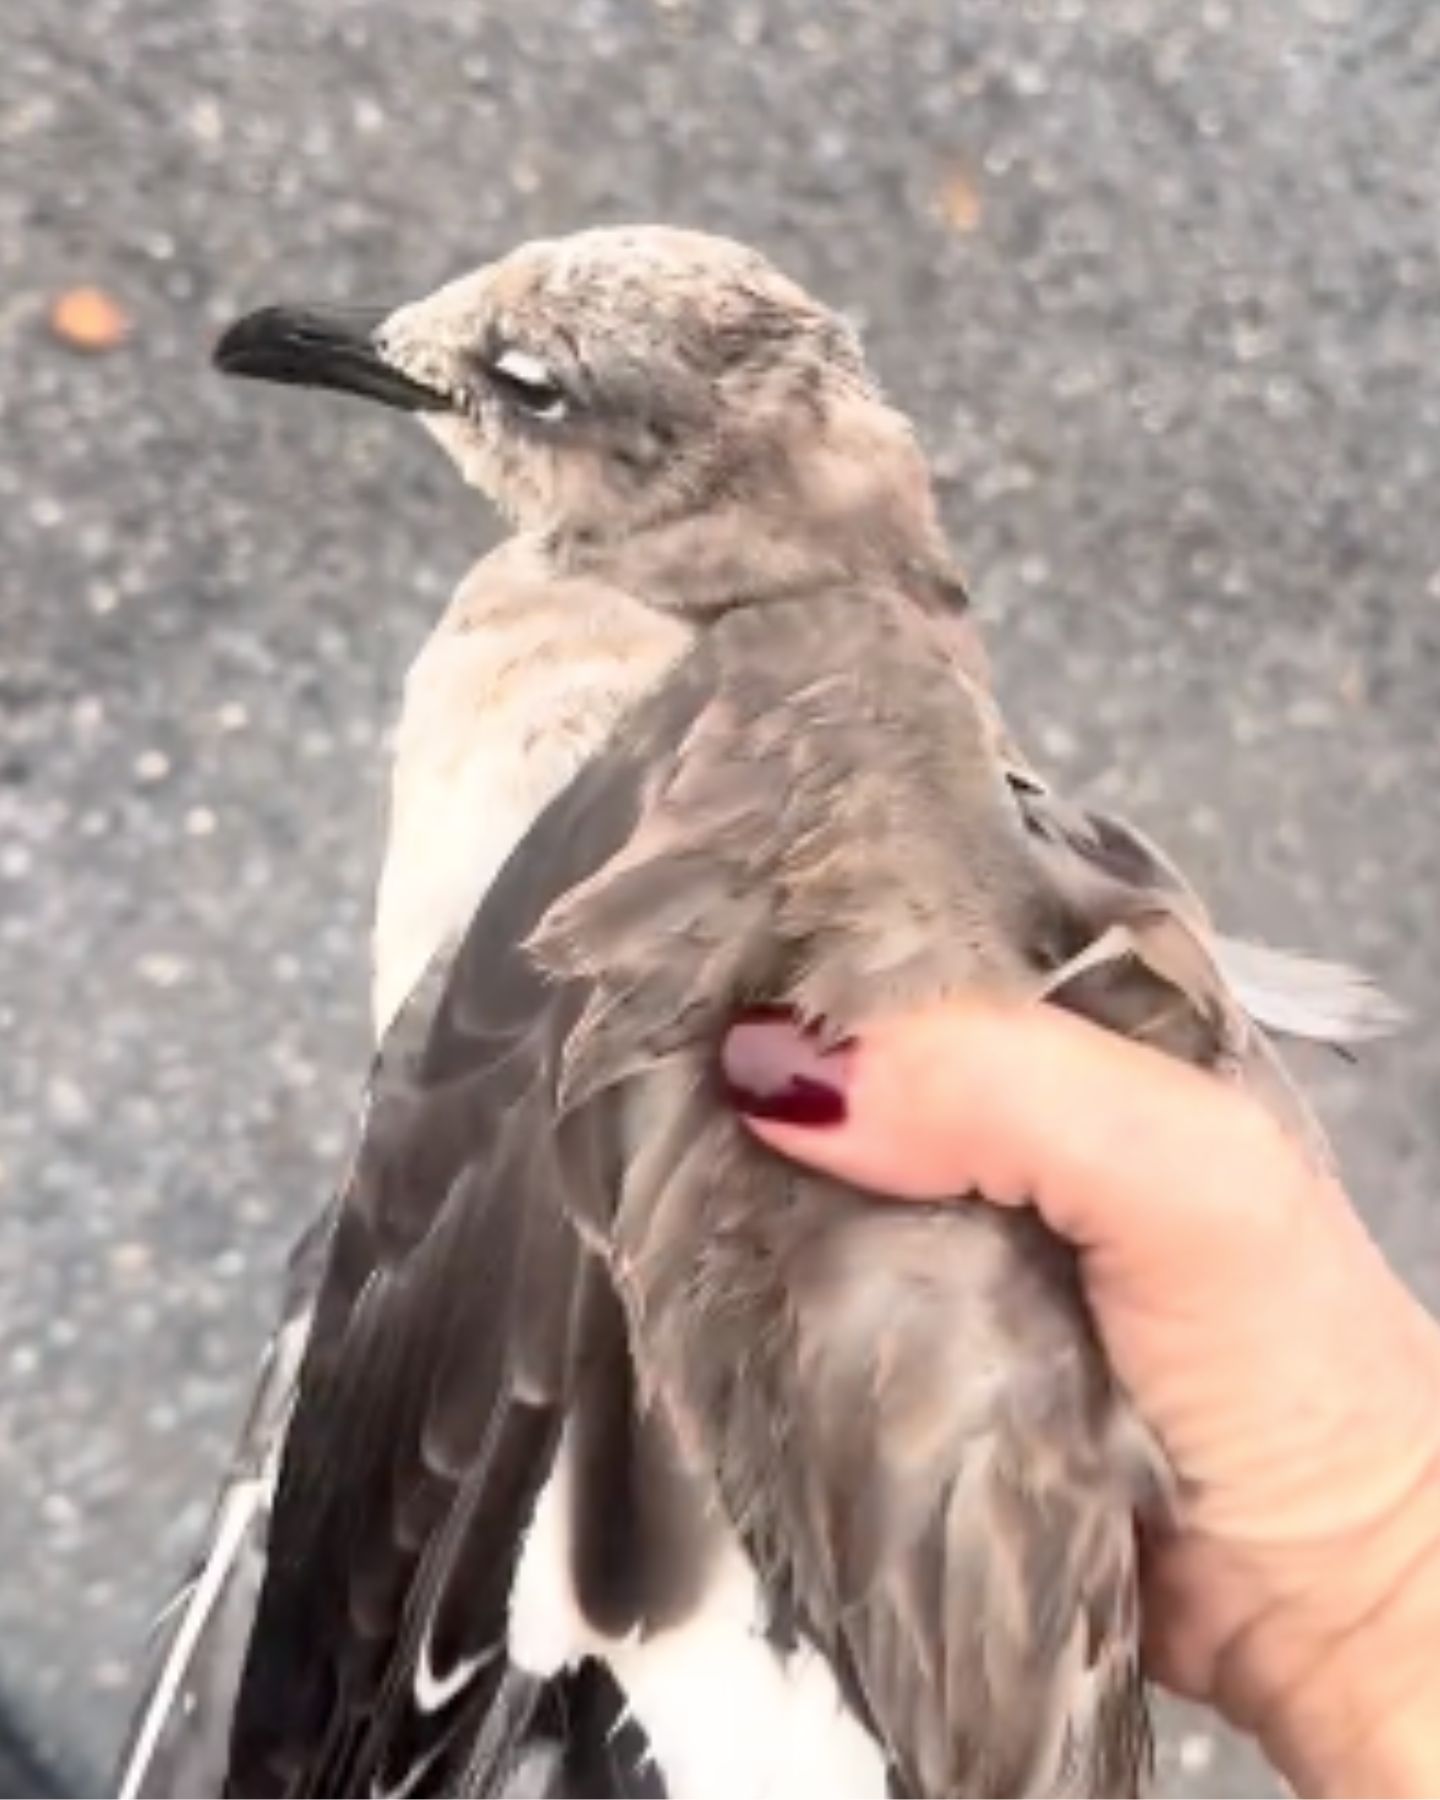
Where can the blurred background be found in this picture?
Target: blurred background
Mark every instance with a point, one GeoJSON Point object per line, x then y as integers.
{"type": "Point", "coordinates": [1160, 285]}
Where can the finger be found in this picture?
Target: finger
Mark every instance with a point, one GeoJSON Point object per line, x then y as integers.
{"type": "Point", "coordinates": [1020, 1104]}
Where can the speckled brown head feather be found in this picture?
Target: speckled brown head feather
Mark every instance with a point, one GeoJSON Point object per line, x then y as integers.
{"type": "Point", "coordinates": [570, 1309]}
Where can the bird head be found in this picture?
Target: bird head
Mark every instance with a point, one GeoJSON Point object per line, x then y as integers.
{"type": "Point", "coordinates": [620, 379]}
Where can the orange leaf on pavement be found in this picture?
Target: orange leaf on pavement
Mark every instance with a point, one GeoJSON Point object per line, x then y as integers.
{"type": "Point", "coordinates": [86, 318]}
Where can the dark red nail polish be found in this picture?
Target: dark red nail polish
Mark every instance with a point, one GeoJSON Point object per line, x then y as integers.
{"type": "Point", "coordinates": [773, 1068]}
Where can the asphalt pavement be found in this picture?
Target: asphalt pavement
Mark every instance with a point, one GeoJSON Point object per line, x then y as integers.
{"type": "Point", "coordinates": [1160, 285]}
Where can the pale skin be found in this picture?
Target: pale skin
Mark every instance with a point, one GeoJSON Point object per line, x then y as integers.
{"type": "Point", "coordinates": [1292, 1378]}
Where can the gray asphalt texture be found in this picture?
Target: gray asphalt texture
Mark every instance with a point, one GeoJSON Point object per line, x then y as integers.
{"type": "Point", "coordinates": [1160, 285]}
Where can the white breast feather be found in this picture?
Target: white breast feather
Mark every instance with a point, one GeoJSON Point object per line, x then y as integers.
{"type": "Point", "coordinates": [515, 690]}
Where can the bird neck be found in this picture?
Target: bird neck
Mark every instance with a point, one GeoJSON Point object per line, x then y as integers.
{"type": "Point", "coordinates": [851, 507]}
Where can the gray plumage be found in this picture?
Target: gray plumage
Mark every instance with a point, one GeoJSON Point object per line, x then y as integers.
{"type": "Point", "coordinates": [556, 1241]}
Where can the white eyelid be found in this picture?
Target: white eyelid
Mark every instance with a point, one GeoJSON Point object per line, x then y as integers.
{"type": "Point", "coordinates": [521, 366]}
{"type": "Point", "coordinates": [538, 392]}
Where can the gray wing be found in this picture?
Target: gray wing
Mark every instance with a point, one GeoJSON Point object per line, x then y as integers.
{"type": "Point", "coordinates": [463, 1325]}
{"type": "Point", "coordinates": [345, 1630]}
{"type": "Point", "coordinates": [904, 1409]}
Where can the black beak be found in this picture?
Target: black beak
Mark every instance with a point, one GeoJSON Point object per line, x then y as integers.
{"type": "Point", "coordinates": [331, 347]}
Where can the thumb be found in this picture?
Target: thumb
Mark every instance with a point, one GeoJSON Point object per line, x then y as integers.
{"type": "Point", "coordinates": [1125, 1152]}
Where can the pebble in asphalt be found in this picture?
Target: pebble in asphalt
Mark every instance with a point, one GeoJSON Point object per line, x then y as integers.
{"type": "Point", "coordinates": [1158, 283]}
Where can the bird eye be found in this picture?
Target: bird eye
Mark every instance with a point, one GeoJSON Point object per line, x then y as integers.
{"type": "Point", "coordinates": [526, 383]}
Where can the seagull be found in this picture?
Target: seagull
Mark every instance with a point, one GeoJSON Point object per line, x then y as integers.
{"type": "Point", "coordinates": [599, 1451]}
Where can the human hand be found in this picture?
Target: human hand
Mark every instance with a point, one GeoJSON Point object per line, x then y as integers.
{"type": "Point", "coordinates": [1292, 1379]}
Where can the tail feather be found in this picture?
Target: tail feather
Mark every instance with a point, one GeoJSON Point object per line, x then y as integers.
{"type": "Point", "coordinates": [1301, 997]}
